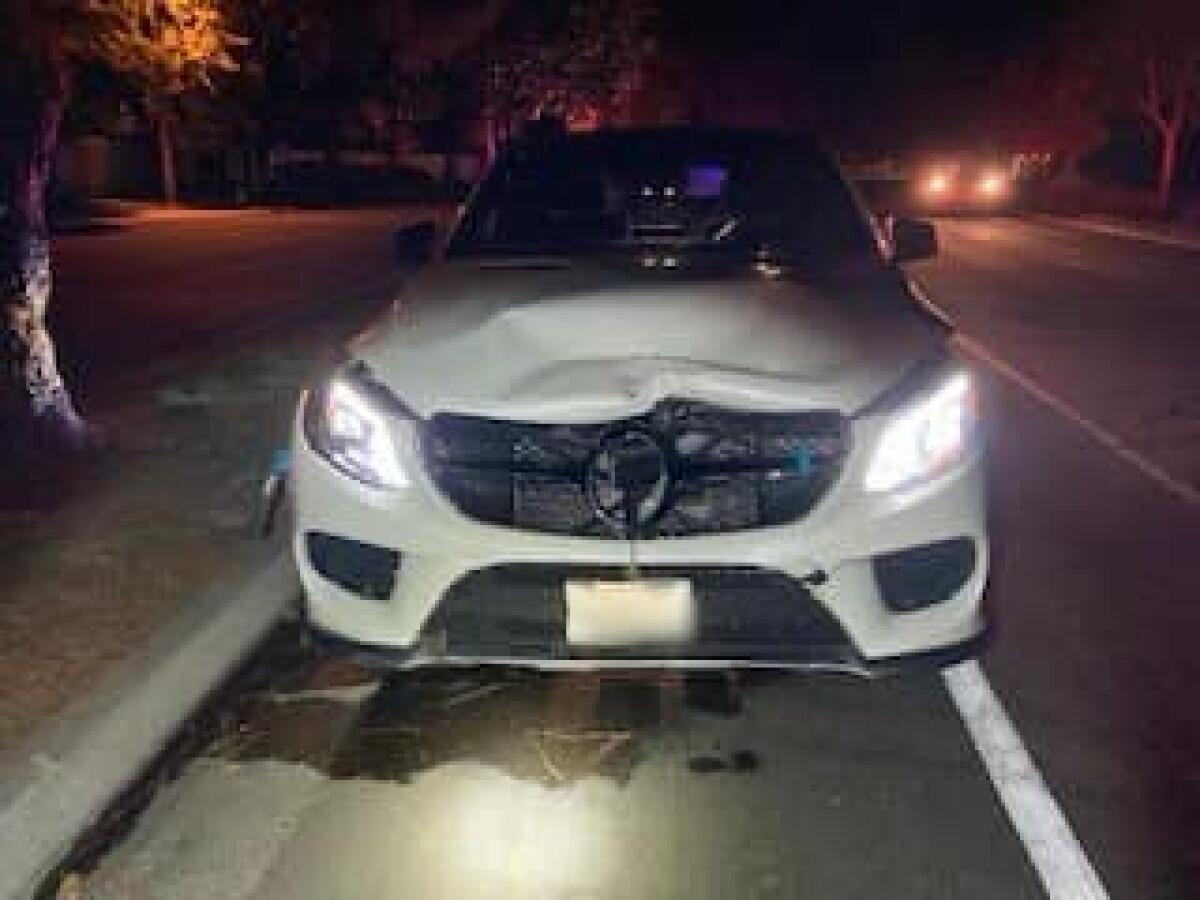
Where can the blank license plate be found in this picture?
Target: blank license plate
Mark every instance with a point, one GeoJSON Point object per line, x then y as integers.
{"type": "Point", "coordinates": [618, 613]}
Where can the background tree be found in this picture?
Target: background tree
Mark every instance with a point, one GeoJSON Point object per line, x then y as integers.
{"type": "Point", "coordinates": [1114, 59]}
{"type": "Point", "coordinates": [165, 46]}
{"type": "Point", "coordinates": [333, 71]}
{"type": "Point", "coordinates": [432, 50]}
{"type": "Point", "coordinates": [168, 48]}
{"type": "Point", "coordinates": [1042, 102]}
{"type": "Point", "coordinates": [1158, 44]}
{"type": "Point", "coordinates": [579, 61]}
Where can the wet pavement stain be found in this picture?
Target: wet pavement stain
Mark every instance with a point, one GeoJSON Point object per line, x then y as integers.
{"type": "Point", "coordinates": [742, 762]}
{"type": "Point", "coordinates": [296, 706]}
{"type": "Point", "coordinates": [550, 728]}
{"type": "Point", "coordinates": [553, 729]}
{"type": "Point", "coordinates": [745, 761]}
{"type": "Point", "coordinates": [707, 764]}
{"type": "Point", "coordinates": [715, 693]}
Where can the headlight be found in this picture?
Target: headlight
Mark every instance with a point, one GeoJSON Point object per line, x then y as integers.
{"type": "Point", "coordinates": [345, 424]}
{"type": "Point", "coordinates": [992, 184]}
{"type": "Point", "coordinates": [938, 183]}
{"type": "Point", "coordinates": [927, 437]}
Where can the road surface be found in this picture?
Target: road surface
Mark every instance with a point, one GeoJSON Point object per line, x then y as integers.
{"type": "Point", "coordinates": [130, 293]}
{"type": "Point", "coordinates": [1109, 324]}
{"type": "Point", "coordinates": [324, 783]}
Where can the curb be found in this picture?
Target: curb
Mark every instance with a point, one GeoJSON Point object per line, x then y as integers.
{"type": "Point", "coordinates": [63, 778]}
{"type": "Point", "coordinates": [117, 208]}
{"type": "Point", "coordinates": [1122, 230]}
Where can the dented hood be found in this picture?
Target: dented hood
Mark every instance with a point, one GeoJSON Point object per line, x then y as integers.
{"type": "Point", "coordinates": [587, 342]}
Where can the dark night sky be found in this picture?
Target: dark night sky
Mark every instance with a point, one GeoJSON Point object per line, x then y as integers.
{"type": "Point", "coordinates": [853, 68]}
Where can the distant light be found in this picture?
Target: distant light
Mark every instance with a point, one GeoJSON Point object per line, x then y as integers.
{"type": "Point", "coordinates": [992, 184]}
{"type": "Point", "coordinates": [938, 184]}
{"type": "Point", "coordinates": [585, 118]}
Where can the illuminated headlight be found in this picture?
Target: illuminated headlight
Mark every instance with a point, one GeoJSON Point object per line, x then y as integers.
{"type": "Point", "coordinates": [992, 184]}
{"type": "Point", "coordinates": [349, 427]}
{"type": "Point", "coordinates": [938, 183]}
{"type": "Point", "coordinates": [926, 438]}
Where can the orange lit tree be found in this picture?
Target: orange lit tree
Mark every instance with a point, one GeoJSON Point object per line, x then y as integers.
{"type": "Point", "coordinates": [163, 46]}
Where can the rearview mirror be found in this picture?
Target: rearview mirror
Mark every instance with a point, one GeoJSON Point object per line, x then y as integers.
{"type": "Point", "coordinates": [413, 244]}
{"type": "Point", "coordinates": [912, 239]}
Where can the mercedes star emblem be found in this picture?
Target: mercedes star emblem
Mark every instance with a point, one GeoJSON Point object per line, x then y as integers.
{"type": "Point", "coordinates": [627, 480]}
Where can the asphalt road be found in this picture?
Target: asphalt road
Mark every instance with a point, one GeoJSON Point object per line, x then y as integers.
{"type": "Point", "coordinates": [323, 783]}
{"type": "Point", "coordinates": [131, 293]}
{"type": "Point", "coordinates": [1110, 325]}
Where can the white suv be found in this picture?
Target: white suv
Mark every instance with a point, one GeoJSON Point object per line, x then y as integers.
{"type": "Point", "coordinates": [663, 399]}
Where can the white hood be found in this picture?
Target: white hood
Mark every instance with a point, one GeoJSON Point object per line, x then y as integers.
{"type": "Point", "coordinates": [588, 342]}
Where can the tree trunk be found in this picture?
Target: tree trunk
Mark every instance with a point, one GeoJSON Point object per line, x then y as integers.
{"type": "Point", "coordinates": [490, 141]}
{"type": "Point", "coordinates": [166, 159]}
{"type": "Point", "coordinates": [35, 407]}
{"type": "Point", "coordinates": [1168, 160]}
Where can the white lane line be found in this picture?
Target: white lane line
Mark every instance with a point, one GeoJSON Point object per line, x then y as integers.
{"type": "Point", "coordinates": [1180, 489]}
{"type": "Point", "coordinates": [1130, 233]}
{"type": "Point", "coordinates": [1061, 863]}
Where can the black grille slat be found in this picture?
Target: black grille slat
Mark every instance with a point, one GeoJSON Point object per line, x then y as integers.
{"type": "Point", "coordinates": [730, 470]}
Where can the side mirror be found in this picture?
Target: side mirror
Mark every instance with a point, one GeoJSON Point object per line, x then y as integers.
{"type": "Point", "coordinates": [413, 244]}
{"type": "Point", "coordinates": [912, 239]}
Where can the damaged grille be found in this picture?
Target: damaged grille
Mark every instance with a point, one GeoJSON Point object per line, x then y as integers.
{"type": "Point", "coordinates": [724, 470]}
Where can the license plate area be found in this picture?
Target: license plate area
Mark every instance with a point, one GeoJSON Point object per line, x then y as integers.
{"type": "Point", "coordinates": [618, 613]}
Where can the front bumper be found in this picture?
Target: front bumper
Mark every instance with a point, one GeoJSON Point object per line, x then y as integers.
{"type": "Point", "coordinates": [841, 619]}
{"type": "Point", "coordinates": [845, 661]}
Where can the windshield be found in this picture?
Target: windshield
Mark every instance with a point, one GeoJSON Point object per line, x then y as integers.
{"type": "Point", "coordinates": [613, 192]}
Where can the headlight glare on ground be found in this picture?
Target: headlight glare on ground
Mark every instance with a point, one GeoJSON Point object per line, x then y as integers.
{"type": "Point", "coordinates": [347, 428]}
{"type": "Point", "coordinates": [927, 438]}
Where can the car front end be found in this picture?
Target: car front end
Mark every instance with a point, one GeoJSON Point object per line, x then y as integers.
{"type": "Point", "coordinates": [707, 428]}
{"type": "Point", "coordinates": [802, 539]}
